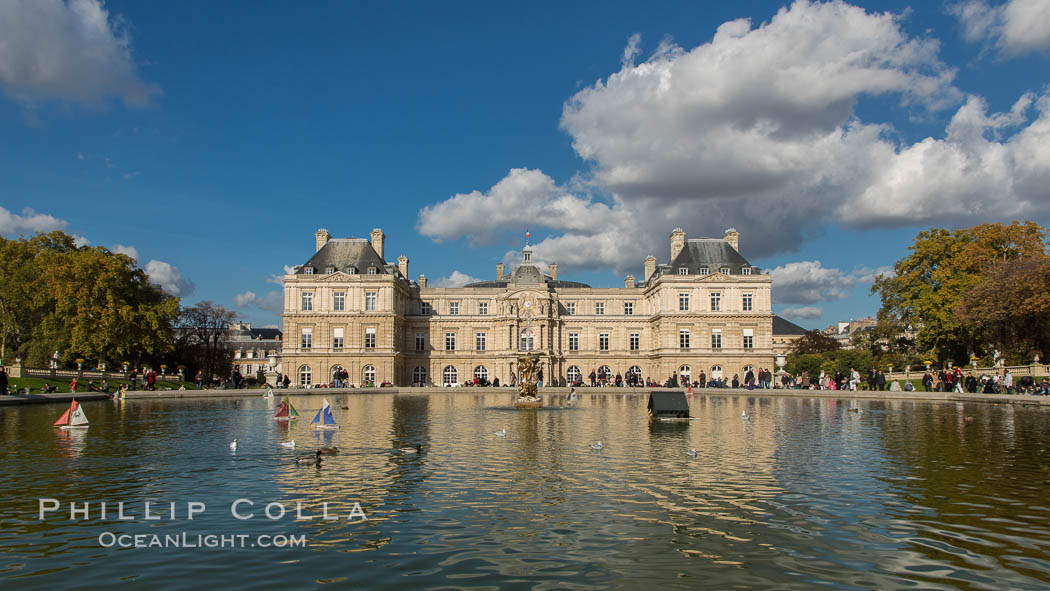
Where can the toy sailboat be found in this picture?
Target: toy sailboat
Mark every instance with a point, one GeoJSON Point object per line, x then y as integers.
{"type": "Point", "coordinates": [324, 418]}
{"type": "Point", "coordinates": [286, 411]}
{"type": "Point", "coordinates": [73, 418]}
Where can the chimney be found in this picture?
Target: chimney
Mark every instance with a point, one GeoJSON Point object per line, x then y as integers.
{"type": "Point", "coordinates": [402, 265]}
{"type": "Point", "coordinates": [554, 271]}
{"type": "Point", "coordinates": [422, 281]}
{"type": "Point", "coordinates": [677, 242]}
{"type": "Point", "coordinates": [323, 237]}
{"type": "Point", "coordinates": [629, 281]}
{"type": "Point", "coordinates": [650, 266]}
{"type": "Point", "coordinates": [733, 238]}
{"type": "Point", "coordinates": [377, 242]}
{"type": "Point", "coordinates": [499, 271]}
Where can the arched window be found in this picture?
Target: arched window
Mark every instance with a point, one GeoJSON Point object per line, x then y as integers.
{"type": "Point", "coordinates": [573, 374]}
{"type": "Point", "coordinates": [369, 373]}
{"type": "Point", "coordinates": [419, 375]}
{"type": "Point", "coordinates": [746, 369]}
{"type": "Point", "coordinates": [716, 372]}
{"type": "Point", "coordinates": [304, 375]}
{"type": "Point", "coordinates": [635, 371]}
{"type": "Point", "coordinates": [685, 374]}
{"type": "Point", "coordinates": [449, 376]}
{"type": "Point", "coordinates": [604, 374]}
{"type": "Point", "coordinates": [481, 373]}
{"type": "Point", "coordinates": [527, 340]}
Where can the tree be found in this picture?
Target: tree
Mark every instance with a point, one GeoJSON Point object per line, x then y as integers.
{"type": "Point", "coordinates": [18, 283]}
{"type": "Point", "coordinates": [814, 341]}
{"type": "Point", "coordinates": [928, 285]}
{"type": "Point", "coordinates": [203, 331]}
{"type": "Point", "coordinates": [1010, 306]}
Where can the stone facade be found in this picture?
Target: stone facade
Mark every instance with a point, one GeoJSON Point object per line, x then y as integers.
{"type": "Point", "coordinates": [706, 310]}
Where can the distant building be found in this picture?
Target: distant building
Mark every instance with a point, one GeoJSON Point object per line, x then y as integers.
{"type": "Point", "coordinates": [255, 348]}
{"type": "Point", "coordinates": [707, 309]}
{"type": "Point", "coordinates": [843, 331]}
{"type": "Point", "coordinates": [785, 333]}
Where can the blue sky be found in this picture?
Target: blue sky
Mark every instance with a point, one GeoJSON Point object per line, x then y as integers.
{"type": "Point", "coordinates": [211, 140]}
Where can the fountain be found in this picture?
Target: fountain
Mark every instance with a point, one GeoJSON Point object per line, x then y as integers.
{"type": "Point", "coordinates": [529, 368]}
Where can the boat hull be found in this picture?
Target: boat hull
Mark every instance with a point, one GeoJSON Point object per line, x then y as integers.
{"type": "Point", "coordinates": [73, 426]}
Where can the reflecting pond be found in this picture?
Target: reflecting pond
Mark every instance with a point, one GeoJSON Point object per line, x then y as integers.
{"type": "Point", "coordinates": [804, 493]}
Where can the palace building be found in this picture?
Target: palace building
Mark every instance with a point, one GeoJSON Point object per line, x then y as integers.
{"type": "Point", "coordinates": [706, 310]}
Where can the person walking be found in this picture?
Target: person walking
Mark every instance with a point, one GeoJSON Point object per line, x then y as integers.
{"type": "Point", "coordinates": [854, 379]}
{"type": "Point", "coordinates": [199, 379]}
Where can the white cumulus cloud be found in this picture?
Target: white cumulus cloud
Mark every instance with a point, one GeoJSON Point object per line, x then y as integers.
{"type": "Point", "coordinates": [809, 282]}
{"type": "Point", "coordinates": [130, 251]}
{"type": "Point", "coordinates": [273, 301]}
{"type": "Point", "coordinates": [456, 279]}
{"type": "Point", "coordinates": [756, 129]}
{"type": "Point", "coordinates": [1016, 27]}
{"type": "Point", "coordinates": [67, 51]}
{"type": "Point", "coordinates": [29, 222]}
{"type": "Point", "coordinates": [169, 278]}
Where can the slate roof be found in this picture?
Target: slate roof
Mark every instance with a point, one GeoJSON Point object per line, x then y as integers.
{"type": "Point", "coordinates": [713, 253]}
{"type": "Point", "coordinates": [786, 327]}
{"type": "Point", "coordinates": [342, 253]}
{"type": "Point", "coordinates": [528, 273]}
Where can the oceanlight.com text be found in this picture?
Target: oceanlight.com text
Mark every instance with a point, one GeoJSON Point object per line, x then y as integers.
{"type": "Point", "coordinates": [208, 541]}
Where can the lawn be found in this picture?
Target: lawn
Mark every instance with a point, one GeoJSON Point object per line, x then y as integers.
{"type": "Point", "coordinates": [62, 385]}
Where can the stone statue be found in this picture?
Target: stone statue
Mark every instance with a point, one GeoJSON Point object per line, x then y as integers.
{"type": "Point", "coordinates": [528, 366]}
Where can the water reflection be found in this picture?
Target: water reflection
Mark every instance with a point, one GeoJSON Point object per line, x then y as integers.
{"type": "Point", "coordinates": [804, 493]}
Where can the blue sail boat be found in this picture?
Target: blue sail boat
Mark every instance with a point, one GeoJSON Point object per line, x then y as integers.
{"type": "Point", "coordinates": [324, 419]}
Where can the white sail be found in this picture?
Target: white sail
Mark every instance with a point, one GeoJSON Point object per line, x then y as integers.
{"type": "Point", "coordinates": [78, 417]}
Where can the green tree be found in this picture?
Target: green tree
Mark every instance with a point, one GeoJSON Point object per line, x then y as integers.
{"type": "Point", "coordinates": [814, 341]}
{"type": "Point", "coordinates": [19, 280]}
{"type": "Point", "coordinates": [1010, 305]}
{"type": "Point", "coordinates": [927, 286]}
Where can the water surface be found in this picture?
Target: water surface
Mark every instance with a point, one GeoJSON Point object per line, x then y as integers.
{"type": "Point", "coordinates": [804, 494]}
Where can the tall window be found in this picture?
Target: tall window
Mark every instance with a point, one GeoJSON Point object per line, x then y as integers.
{"type": "Point", "coordinates": [304, 375]}
{"type": "Point", "coordinates": [307, 338]}
{"type": "Point", "coordinates": [716, 338]}
{"type": "Point", "coordinates": [370, 301]}
{"type": "Point", "coordinates": [424, 308]}
{"type": "Point", "coordinates": [683, 302]}
{"type": "Point", "coordinates": [636, 341]}
{"type": "Point", "coordinates": [339, 301]}
{"type": "Point", "coordinates": [599, 308]}
{"type": "Point", "coordinates": [369, 374]}
{"type": "Point", "coordinates": [481, 372]}
{"type": "Point", "coordinates": [716, 301]}
{"type": "Point", "coordinates": [421, 341]}
{"type": "Point", "coordinates": [527, 341]}
{"type": "Point", "coordinates": [370, 338]}
{"type": "Point", "coordinates": [628, 308]}
{"type": "Point", "coordinates": [479, 341]}
{"type": "Point", "coordinates": [747, 304]}
{"type": "Point", "coordinates": [337, 338]}
{"type": "Point", "coordinates": [483, 308]}
{"type": "Point", "coordinates": [449, 376]}
{"type": "Point", "coordinates": [749, 338]}
{"type": "Point", "coordinates": [308, 301]}
{"type": "Point", "coordinates": [453, 308]}
{"type": "Point", "coordinates": [683, 338]}
{"type": "Point", "coordinates": [574, 341]}
{"type": "Point", "coordinates": [419, 375]}
{"type": "Point", "coordinates": [603, 341]}
{"type": "Point", "coordinates": [450, 341]}
{"type": "Point", "coordinates": [570, 308]}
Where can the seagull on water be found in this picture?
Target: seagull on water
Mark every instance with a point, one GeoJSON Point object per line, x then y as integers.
{"type": "Point", "coordinates": [233, 445]}
{"type": "Point", "coordinates": [597, 445]}
{"type": "Point", "coordinates": [692, 453]}
{"type": "Point", "coordinates": [418, 449]}
{"type": "Point", "coordinates": [501, 433]}
{"type": "Point", "coordinates": [288, 444]}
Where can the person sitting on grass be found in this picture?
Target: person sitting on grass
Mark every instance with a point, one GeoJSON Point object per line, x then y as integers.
{"type": "Point", "coordinates": [47, 388]}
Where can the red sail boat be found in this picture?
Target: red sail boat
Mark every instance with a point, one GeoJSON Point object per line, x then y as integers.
{"type": "Point", "coordinates": [73, 418]}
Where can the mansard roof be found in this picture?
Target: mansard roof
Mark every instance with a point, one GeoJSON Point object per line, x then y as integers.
{"type": "Point", "coordinates": [712, 253]}
{"type": "Point", "coordinates": [343, 253]}
{"type": "Point", "coordinates": [786, 327]}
